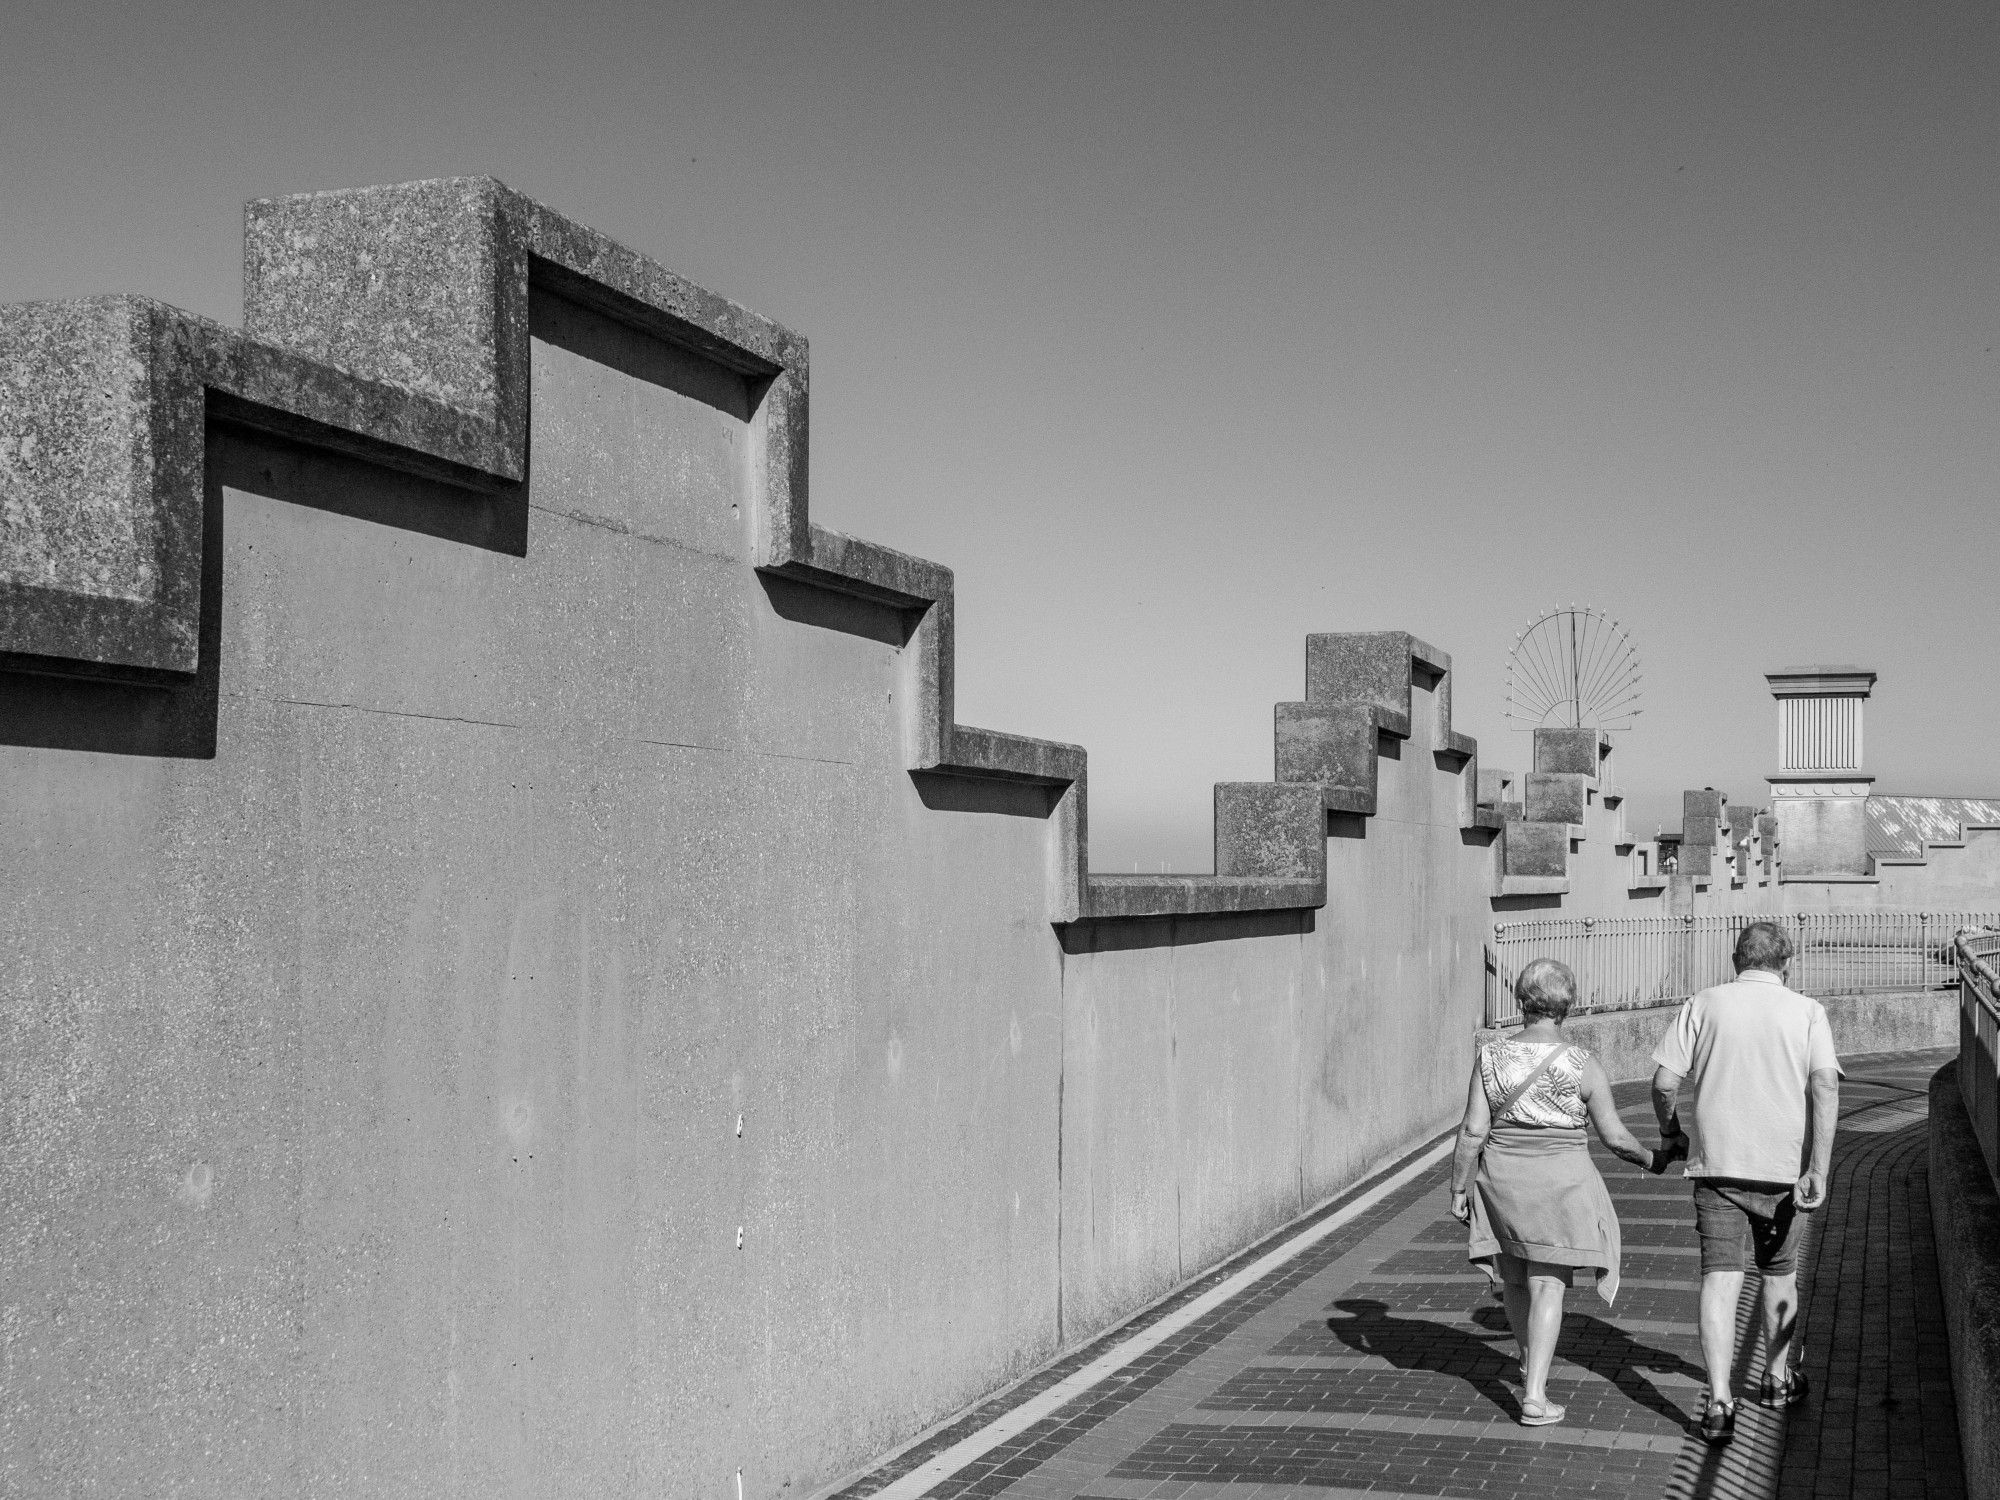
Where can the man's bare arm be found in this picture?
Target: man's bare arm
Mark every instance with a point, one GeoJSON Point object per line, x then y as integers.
{"type": "Point", "coordinates": [1825, 1095]}
{"type": "Point", "coordinates": [1666, 1101]}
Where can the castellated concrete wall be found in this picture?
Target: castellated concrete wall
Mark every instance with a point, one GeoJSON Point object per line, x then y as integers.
{"type": "Point", "coordinates": [555, 1045]}
{"type": "Point", "coordinates": [1223, 1074]}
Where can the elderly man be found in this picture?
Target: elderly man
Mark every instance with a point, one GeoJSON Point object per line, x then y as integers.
{"type": "Point", "coordinates": [1760, 1061]}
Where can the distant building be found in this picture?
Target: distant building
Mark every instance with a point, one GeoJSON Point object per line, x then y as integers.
{"type": "Point", "coordinates": [1831, 822]}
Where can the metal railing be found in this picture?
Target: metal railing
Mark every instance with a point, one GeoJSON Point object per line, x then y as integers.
{"type": "Point", "coordinates": [1629, 963]}
{"type": "Point", "coordinates": [1979, 1041]}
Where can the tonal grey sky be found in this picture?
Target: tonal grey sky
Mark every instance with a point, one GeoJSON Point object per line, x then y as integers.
{"type": "Point", "coordinates": [1180, 332]}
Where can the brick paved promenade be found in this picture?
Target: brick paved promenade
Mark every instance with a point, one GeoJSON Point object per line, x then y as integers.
{"type": "Point", "coordinates": [1375, 1362]}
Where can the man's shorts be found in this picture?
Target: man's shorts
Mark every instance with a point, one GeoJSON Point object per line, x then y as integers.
{"type": "Point", "coordinates": [1724, 1208]}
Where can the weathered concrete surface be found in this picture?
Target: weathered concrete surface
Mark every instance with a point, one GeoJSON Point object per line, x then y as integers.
{"type": "Point", "coordinates": [416, 284]}
{"type": "Point", "coordinates": [1331, 745]}
{"type": "Point", "coordinates": [1961, 879]}
{"type": "Point", "coordinates": [1623, 1040]}
{"type": "Point", "coordinates": [1742, 838]}
{"type": "Point", "coordinates": [89, 564]}
{"type": "Point", "coordinates": [556, 1046]}
{"type": "Point", "coordinates": [1575, 750]}
{"type": "Point", "coordinates": [1965, 1211]}
{"type": "Point", "coordinates": [1702, 815]}
{"type": "Point", "coordinates": [404, 1090]}
{"type": "Point", "coordinates": [1556, 797]}
{"type": "Point", "coordinates": [1221, 1075]}
{"type": "Point", "coordinates": [1703, 854]}
{"type": "Point", "coordinates": [1822, 827]}
{"type": "Point", "coordinates": [1536, 849]}
{"type": "Point", "coordinates": [1270, 829]}
{"type": "Point", "coordinates": [101, 467]}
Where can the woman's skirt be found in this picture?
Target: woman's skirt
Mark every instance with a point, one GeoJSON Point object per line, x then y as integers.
{"type": "Point", "coordinates": [1538, 1196]}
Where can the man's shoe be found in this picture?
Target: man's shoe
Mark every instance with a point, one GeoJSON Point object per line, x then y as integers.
{"type": "Point", "coordinates": [1790, 1393]}
{"type": "Point", "coordinates": [1718, 1421]}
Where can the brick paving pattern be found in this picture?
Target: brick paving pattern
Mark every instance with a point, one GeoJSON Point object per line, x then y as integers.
{"type": "Point", "coordinates": [1376, 1363]}
{"type": "Point", "coordinates": [1886, 1424]}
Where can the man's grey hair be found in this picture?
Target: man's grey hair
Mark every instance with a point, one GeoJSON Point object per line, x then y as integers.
{"type": "Point", "coordinates": [1763, 945]}
{"type": "Point", "coordinates": [1545, 987]}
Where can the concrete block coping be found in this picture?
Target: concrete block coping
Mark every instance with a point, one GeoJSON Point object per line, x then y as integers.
{"type": "Point", "coordinates": [1534, 885]}
{"type": "Point", "coordinates": [393, 324]}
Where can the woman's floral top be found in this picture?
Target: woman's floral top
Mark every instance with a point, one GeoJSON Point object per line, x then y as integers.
{"type": "Point", "coordinates": [1556, 1100]}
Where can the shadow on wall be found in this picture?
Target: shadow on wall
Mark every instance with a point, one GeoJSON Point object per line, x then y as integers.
{"type": "Point", "coordinates": [806, 604]}
{"type": "Point", "coordinates": [68, 706]}
{"type": "Point", "coordinates": [1010, 799]}
{"type": "Point", "coordinates": [1124, 934]}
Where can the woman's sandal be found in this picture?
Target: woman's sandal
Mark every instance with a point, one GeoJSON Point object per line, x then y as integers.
{"type": "Point", "coordinates": [1548, 1415]}
{"type": "Point", "coordinates": [1718, 1421]}
{"type": "Point", "coordinates": [1791, 1393]}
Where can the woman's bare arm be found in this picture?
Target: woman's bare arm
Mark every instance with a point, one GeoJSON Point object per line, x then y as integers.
{"type": "Point", "coordinates": [1610, 1129]}
{"type": "Point", "coordinates": [1472, 1133]}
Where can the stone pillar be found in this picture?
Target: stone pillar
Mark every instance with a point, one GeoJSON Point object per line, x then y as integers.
{"type": "Point", "coordinates": [1742, 840]}
{"type": "Point", "coordinates": [1702, 815]}
{"type": "Point", "coordinates": [1819, 796]}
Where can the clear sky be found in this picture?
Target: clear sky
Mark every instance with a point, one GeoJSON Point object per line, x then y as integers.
{"type": "Point", "coordinates": [1180, 332]}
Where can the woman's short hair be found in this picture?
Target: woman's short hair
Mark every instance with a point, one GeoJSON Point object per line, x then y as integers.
{"type": "Point", "coordinates": [1763, 945]}
{"type": "Point", "coordinates": [1545, 987]}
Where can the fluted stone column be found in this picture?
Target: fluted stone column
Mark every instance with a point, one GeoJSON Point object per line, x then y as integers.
{"type": "Point", "coordinates": [1819, 796]}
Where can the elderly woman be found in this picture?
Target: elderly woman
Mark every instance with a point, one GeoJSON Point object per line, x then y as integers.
{"type": "Point", "coordinates": [1523, 1179]}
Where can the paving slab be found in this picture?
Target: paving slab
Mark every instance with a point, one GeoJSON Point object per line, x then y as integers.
{"type": "Point", "coordinates": [1374, 1361]}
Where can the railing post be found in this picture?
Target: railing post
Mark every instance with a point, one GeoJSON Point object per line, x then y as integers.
{"type": "Point", "coordinates": [1586, 978]}
{"type": "Point", "coordinates": [1493, 976]}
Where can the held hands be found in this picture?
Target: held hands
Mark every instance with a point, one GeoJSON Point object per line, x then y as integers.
{"type": "Point", "coordinates": [1672, 1148]}
{"type": "Point", "coordinates": [1461, 1208]}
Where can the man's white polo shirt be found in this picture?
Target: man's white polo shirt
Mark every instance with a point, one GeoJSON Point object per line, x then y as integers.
{"type": "Point", "coordinates": [1748, 1050]}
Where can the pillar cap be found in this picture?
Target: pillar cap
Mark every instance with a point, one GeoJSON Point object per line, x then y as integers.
{"type": "Point", "coordinates": [1821, 682]}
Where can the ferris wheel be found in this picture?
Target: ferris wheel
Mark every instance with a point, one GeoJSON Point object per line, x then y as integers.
{"type": "Point", "coordinates": [1573, 667]}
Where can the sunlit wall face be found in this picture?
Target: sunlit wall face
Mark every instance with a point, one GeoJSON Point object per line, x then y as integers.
{"type": "Point", "coordinates": [1180, 335]}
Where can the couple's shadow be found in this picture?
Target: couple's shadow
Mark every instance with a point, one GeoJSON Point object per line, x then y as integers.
{"type": "Point", "coordinates": [1420, 1344]}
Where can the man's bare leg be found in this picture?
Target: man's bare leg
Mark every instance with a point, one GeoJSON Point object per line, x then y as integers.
{"type": "Point", "coordinates": [1720, 1292]}
{"type": "Point", "coordinates": [1781, 1322]}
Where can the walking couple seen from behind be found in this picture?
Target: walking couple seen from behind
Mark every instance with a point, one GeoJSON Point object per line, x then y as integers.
{"type": "Point", "coordinates": [1757, 1135]}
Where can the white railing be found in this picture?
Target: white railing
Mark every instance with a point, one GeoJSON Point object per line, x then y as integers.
{"type": "Point", "coordinates": [1979, 1041]}
{"type": "Point", "coordinates": [1628, 963]}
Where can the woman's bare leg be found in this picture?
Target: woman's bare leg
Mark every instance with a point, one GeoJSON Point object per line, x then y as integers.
{"type": "Point", "coordinates": [1515, 1295]}
{"type": "Point", "coordinates": [1545, 1313]}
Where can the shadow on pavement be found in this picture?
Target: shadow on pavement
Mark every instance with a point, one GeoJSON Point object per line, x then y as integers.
{"type": "Point", "coordinates": [1421, 1344]}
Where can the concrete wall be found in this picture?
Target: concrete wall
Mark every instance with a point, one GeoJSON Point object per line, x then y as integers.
{"type": "Point", "coordinates": [1965, 1212]}
{"type": "Point", "coordinates": [1947, 878]}
{"type": "Point", "coordinates": [1623, 1041]}
{"type": "Point", "coordinates": [514, 1023]}
{"type": "Point", "coordinates": [392, 1088]}
{"type": "Point", "coordinates": [1221, 1075]}
{"type": "Point", "coordinates": [1566, 849]}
